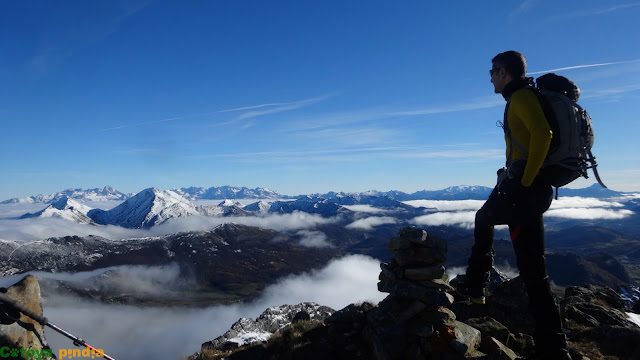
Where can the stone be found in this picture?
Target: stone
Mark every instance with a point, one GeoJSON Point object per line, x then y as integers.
{"type": "Point", "coordinates": [301, 316]}
{"type": "Point", "coordinates": [420, 238]}
{"type": "Point", "coordinates": [467, 339]}
{"type": "Point", "coordinates": [434, 242]}
{"type": "Point", "coordinates": [419, 257]}
{"type": "Point", "coordinates": [25, 333]}
{"type": "Point", "coordinates": [388, 271]}
{"type": "Point", "coordinates": [402, 312]}
{"type": "Point", "coordinates": [435, 285]}
{"type": "Point", "coordinates": [350, 314]}
{"type": "Point", "coordinates": [580, 317]}
{"type": "Point", "coordinates": [498, 350]}
{"type": "Point", "coordinates": [412, 232]}
{"type": "Point", "coordinates": [399, 243]}
{"type": "Point", "coordinates": [490, 327]}
{"type": "Point", "coordinates": [429, 296]}
{"type": "Point", "coordinates": [440, 316]}
{"type": "Point", "coordinates": [442, 283]}
{"type": "Point", "coordinates": [521, 343]}
{"type": "Point", "coordinates": [387, 342]}
{"type": "Point", "coordinates": [424, 273]}
{"type": "Point", "coordinates": [594, 293]}
{"type": "Point", "coordinates": [386, 286]}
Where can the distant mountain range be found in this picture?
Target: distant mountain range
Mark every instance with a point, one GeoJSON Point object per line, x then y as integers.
{"type": "Point", "coordinates": [461, 192]}
{"type": "Point", "coordinates": [191, 193]}
{"type": "Point", "coordinates": [97, 194]}
{"type": "Point", "coordinates": [151, 207]}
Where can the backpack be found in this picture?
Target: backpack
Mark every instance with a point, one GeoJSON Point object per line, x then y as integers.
{"type": "Point", "coordinates": [569, 155]}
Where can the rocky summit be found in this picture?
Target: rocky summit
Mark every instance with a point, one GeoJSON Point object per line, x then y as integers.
{"type": "Point", "coordinates": [424, 318]}
{"type": "Point", "coordinates": [271, 321]}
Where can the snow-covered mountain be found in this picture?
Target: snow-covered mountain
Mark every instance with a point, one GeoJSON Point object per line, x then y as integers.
{"type": "Point", "coordinates": [248, 331]}
{"type": "Point", "coordinates": [595, 191]}
{"type": "Point", "coordinates": [146, 209]}
{"type": "Point", "coordinates": [226, 192]}
{"type": "Point", "coordinates": [97, 194]}
{"type": "Point", "coordinates": [225, 208]}
{"type": "Point", "coordinates": [460, 192]}
{"type": "Point", "coordinates": [260, 207]}
{"type": "Point", "coordinates": [65, 208]}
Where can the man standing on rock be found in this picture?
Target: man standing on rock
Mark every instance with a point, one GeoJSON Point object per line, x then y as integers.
{"type": "Point", "coordinates": [519, 199]}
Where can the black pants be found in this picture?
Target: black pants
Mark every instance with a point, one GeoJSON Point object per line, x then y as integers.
{"type": "Point", "coordinates": [527, 235]}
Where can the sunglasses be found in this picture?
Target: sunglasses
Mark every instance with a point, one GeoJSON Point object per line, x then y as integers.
{"type": "Point", "coordinates": [492, 71]}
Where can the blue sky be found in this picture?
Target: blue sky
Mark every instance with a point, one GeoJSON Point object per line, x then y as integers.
{"type": "Point", "coordinates": [297, 96]}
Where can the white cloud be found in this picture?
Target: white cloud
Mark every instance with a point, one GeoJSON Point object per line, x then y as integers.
{"type": "Point", "coordinates": [589, 214]}
{"type": "Point", "coordinates": [581, 67]}
{"type": "Point", "coordinates": [365, 209]}
{"type": "Point", "coordinates": [131, 279]}
{"type": "Point", "coordinates": [313, 239]}
{"type": "Point", "coordinates": [474, 104]}
{"type": "Point", "coordinates": [15, 210]}
{"type": "Point", "coordinates": [522, 8]}
{"type": "Point", "coordinates": [455, 271]}
{"type": "Point", "coordinates": [353, 136]}
{"type": "Point", "coordinates": [600, 11]}
{"type": "Point", "coordinates": [461, 154]}
{"type": "Point", "coordinates": [274, 108]}
{"type": "Point", "coordinates": [447, 205]}
{"type": "Point", "coordinates": [452, 212]}
{"type": "Point", "coordinates": [341, 282]}
{"type": "Point", "coordinates": [42, 228]}
{"type": "Point", "coordinates": [142, 332]}
{"type": "Point", "coordinates": [463, 219]}
{"type": "Point", "coordinates": [580, 202]}
{"type": "Point", "coordinates": [367, 224]}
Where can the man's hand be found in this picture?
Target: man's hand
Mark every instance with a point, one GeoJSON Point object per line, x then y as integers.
{"type": "Point", "coordinates": [513, 189]}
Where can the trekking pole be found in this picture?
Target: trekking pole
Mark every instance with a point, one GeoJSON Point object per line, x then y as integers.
{"type": "Point", "coordinates": [43, 321]}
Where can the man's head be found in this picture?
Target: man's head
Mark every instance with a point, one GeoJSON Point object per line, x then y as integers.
{"type": "Point", "coordinates": [507, 66]}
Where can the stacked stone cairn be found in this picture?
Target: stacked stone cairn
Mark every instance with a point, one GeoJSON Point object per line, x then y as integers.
{"type": "Point", "coordinates": [413, 322]}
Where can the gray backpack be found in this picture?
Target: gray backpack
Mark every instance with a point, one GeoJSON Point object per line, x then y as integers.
{"type": "Point", "coordinates": [569, 155]}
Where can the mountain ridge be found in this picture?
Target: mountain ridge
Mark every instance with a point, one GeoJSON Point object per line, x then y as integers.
{"type": "Point", "coordinates": [146, 209]}
{"type": "Point", "coordinates": [64, 208]}
{"type": "Point", "coordinates": [457, 192]}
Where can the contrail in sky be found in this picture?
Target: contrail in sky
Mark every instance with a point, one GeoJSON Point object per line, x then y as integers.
{"type": "Point", "coordinates": [583, 66]}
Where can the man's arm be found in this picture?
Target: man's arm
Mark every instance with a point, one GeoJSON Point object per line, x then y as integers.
{"type": "Point", "coordinates": [526, 106]}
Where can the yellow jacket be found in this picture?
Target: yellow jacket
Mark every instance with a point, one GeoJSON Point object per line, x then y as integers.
{"type": "Point", "coordinates": [529, 127]}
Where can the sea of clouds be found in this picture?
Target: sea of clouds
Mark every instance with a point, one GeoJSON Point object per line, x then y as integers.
{"type": "Point", "coordinates": [143, 332]}
{"type": "Point", "coordinates": [437, 213]}
{"type": "Point", "coordinates": [462, 212]}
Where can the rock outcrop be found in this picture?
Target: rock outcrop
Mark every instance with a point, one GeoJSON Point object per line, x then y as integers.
{"type": "Point", "coordinates": [597, 315]}
{"type": "Point", "coordinates": [272, 320]}
{"type": "Point", "coordinates": [19, 334]}
{"type": "Point", "coordinates": [422, 319]}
